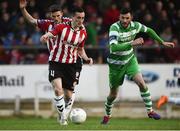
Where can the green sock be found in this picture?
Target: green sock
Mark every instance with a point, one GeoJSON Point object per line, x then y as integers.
{"type": "Point", "coordinates": [109, 105]}
{"type": "Point", "coordinates": [145, 94]}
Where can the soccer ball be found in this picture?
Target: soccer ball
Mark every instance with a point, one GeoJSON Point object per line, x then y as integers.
{"type": "Point", "coordinates": [78, 116]}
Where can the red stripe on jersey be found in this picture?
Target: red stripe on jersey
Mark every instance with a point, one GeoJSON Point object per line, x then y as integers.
{"type": "Point", "coordinates": [67, 34]}
{"type": "Point", "coordinates": [68, 55]}
{"type": "Point", "coordinates": [73, 37]}
{"type": "Point", "coordinates": [74, 56]}
{"type": "Point", "coordinates": [80, 39]}
{"type": "Point", "coordinates": [62, 52]}
{"type": "Point", "coordinates": [63, 49]}
{"type": "Point", "coordinates": [69, 48]}
{"type": "Point", "coordinates": [56, 49]}
{"type": "Point", "coordinates": [50, 45]}
{"type": "Point", "coordinates": [66, 51]}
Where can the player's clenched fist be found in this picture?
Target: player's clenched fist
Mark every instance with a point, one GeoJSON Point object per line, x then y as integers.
{"type": "Point", "coordinates": [22, 4]}
{"type": "Point", "coordinates": [44, 38]}
{"type": "Point", "coordinates": [138, 41]}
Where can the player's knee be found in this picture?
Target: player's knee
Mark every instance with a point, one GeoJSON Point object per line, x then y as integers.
{"type": "Point", "coordinates": [58, 91]}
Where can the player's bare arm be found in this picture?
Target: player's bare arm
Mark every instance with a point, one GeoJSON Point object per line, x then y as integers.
{"type": "Point", "coordinates": [82, 54]}
{"type": "Point", "coordinates": [46, 36]}
{"type": "Point", "coordinates": [26, 15]}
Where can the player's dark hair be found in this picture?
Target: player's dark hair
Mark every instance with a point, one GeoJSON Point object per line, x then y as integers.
{"type": "Point", "coordinates": [125, 11]}
{"type": "Point", "coordinates": [77, 10]}
{"type": "Point", "coordinates": [54, 8]}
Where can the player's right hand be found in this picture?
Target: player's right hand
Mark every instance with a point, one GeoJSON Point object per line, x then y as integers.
{"type": "Point", "coordinates": [138, 41]}
{"type": "Point", "coordinates": [22, 4]}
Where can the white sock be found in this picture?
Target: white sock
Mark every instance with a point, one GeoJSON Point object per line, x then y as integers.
{"type": "Point", "coordinates": [69, 105]}
{"type": "Point", "coordinates": [59, 103]}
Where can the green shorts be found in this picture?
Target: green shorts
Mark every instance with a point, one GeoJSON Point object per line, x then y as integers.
{"type": "Point", "coordinates": [118, 72]}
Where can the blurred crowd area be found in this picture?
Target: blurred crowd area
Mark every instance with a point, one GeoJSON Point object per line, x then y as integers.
{"type": "Point", "coordinates": [20, 41]}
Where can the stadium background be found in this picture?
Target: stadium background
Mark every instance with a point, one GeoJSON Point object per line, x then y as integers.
{"type": "Point", "coordinates": [20, 41]}
{"type": "Point", "coordinates": [20, 45]}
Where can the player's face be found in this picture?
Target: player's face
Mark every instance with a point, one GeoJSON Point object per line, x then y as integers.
{"type": "Point", "coordinates": [78, 19]}
{"type": "Point", "coordinates": [56, 16]}
{"type": "Point", "coordinates": [125, 19]}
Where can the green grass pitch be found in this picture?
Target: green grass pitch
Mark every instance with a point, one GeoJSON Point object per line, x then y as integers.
{"type": "Point", "coordinates": [92, 123]}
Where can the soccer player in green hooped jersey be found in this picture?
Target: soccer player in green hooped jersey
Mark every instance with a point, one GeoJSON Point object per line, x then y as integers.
{"type": "Point", "coordinates": [122, 60]}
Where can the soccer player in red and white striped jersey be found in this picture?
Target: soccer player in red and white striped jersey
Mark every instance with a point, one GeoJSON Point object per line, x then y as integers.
{"type": "Point", "coordinates": [48, 25]}
{"type": "Point", "coordinates": [69, 43]}
{"type": "Point", "coordinates": [45, 25]}
{"type": "Point", "coordinates": [68, 40]}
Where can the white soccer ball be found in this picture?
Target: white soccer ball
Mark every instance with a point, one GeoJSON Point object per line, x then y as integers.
{"type": "Point", "coordinates": [78, 116]}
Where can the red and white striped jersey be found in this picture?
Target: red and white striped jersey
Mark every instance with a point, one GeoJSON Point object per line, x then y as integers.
{"type": "Point", "coordinates": [48, 25]}
{"type": "Point", "coordinates": [67, 42]}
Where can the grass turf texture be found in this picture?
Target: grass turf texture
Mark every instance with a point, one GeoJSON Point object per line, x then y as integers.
{"type": "Point", "coordinates": [92, 123]}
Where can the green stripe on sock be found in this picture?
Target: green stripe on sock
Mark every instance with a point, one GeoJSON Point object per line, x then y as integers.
{"type": "Point", "coordinates": [146, 96]}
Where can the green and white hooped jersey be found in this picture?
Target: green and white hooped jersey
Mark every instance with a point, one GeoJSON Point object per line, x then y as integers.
{"type": "Point", "coordinates": [123, 36]}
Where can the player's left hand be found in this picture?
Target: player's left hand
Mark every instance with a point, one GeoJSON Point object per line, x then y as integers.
{"type": "Point", "coordinates": [89, 61]}
{"type": "Point", "coordinates": [44, 39]}
{"type": "Point", "coordinates": [169, 44]}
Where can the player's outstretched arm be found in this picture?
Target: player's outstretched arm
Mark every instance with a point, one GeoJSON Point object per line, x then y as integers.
{"type": "Point", "coordinates": [26, 15]}
{"type": "Point", "coordinates": [154, 35]}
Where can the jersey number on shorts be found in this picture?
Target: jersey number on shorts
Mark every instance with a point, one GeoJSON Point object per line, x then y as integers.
{"type": "Point", "coordinates": [52, 73]}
